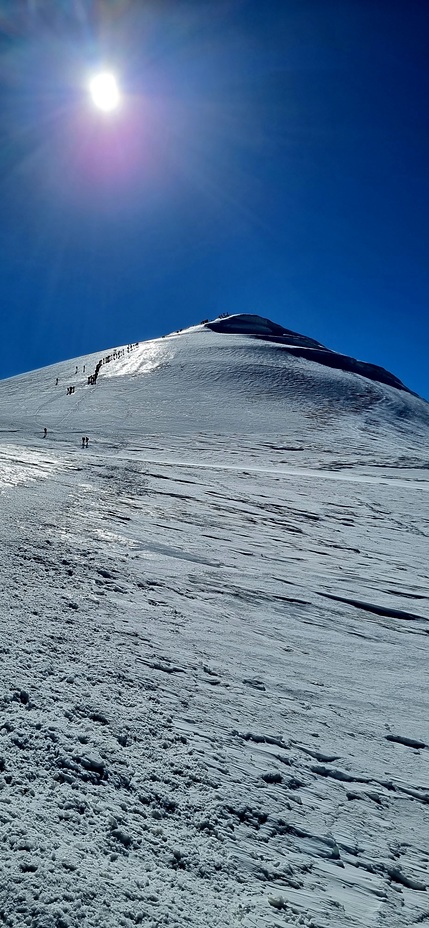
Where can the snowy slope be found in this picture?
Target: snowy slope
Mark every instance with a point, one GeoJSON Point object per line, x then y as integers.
{"type": "Point", "coordinates": [223, 383]}
{"type": "Point", "coordinates": [214, 641]}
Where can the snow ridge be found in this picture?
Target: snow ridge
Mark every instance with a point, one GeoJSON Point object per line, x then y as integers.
{"type": "Point", "coordinates": [303, 347]}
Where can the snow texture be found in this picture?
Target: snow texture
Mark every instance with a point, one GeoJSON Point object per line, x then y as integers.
{"type": "Point", "coordinates": [214, 640]}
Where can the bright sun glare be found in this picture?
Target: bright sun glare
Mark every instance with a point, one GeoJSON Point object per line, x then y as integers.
{"type": "Point", "coordinates": [104, 91]}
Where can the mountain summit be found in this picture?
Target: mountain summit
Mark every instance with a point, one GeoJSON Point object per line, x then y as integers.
{"type": "Point", "coordinates": [236, 375]}
{"type": "Point", "coordinates": [302, 346]}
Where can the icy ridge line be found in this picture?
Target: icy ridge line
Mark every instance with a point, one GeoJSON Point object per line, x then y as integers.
{"type": "Point", "coordinates": [303, 347]}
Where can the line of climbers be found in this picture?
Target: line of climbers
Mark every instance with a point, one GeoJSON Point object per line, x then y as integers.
{"type": "Point", "coordinates": [116, 353]}
{"type": "Point", "coordinates": [92, 378]}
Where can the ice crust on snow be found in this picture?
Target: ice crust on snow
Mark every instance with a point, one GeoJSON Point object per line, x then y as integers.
{"type": "Point", "coordinates": [214, 640]}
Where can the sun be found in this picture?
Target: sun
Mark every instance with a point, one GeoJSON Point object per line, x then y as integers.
{"type": "Point", "coordinates": [104, 91]}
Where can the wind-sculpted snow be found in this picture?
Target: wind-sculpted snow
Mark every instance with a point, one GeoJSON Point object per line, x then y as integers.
{"type": "Point", "coordinates": [214, 641]}
{"type": "Point", "coordinates": [302, 347]}
{"type": "Point", "coordinates": [258, 327]}
{"type": "Point", "coordinates": [23, 465]}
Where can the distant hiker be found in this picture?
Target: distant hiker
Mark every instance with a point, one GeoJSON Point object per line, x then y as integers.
{"type": "Point", "coordinates": [45, 432]}
{"type": "Point", "coordinates": [84, 368]}
{"type": "Point", "coordinates": [56, 382]}
{"type": "Point", "coordinates": [83, 442]}
{"type": "Point", "coordinates": [86, 441]}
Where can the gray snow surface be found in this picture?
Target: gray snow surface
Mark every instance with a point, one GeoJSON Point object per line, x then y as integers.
{"type": "Point", "coordinates": [214, 640]}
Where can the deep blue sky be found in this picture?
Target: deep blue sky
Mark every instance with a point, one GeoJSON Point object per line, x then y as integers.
{"type": "Point", "coordinates": [270, 157]}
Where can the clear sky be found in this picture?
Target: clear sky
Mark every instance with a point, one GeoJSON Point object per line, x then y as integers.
{"type": "Point", "coordinates": [268, 157]}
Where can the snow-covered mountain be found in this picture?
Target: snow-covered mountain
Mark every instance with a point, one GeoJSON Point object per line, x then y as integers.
{"type": "Point", "coordinates": [214, 637]}
{"type": "Point", "coordinates": [237, 375]}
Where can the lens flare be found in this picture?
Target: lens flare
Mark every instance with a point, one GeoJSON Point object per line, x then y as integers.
{"type": "Point", "coordinates": [104, 91]}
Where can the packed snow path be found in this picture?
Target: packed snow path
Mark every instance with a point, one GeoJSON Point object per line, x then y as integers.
{"type": "Point", "coordinates": [214, 704]}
